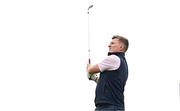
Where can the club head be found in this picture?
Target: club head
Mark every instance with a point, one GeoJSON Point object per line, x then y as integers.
{"type": "Point", "coordinates": [90, 7]}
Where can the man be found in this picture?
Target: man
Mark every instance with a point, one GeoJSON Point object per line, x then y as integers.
{"type": "Point", "coordinates": [113, 76]}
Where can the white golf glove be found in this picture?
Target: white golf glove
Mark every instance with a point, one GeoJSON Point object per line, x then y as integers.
{"type": "Point", "coordinates": [94, 77]}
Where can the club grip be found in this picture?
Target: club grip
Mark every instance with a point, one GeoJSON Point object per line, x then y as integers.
{"type": "Point", "coordinates": [89, 61]}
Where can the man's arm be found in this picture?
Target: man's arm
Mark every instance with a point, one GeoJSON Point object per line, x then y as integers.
{"type": "Point", "coordinates": [91, 69]}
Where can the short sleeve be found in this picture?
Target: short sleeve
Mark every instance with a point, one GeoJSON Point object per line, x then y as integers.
{"type": "Point", "coordinates": [111, 62]}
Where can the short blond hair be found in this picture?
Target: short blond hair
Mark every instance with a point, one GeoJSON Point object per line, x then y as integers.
{"type": "Point", "coordinates": [123, 40]}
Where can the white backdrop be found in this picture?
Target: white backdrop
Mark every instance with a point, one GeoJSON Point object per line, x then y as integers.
{"type": "Point", "coordinates": [43, 53]}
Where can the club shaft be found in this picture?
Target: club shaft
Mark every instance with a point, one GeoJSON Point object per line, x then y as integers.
{"type": "Point", "coordinates": [89, 47]}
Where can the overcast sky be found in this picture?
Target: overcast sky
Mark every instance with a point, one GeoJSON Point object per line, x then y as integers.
{"type": "Point", "coordinates": [44, 52]}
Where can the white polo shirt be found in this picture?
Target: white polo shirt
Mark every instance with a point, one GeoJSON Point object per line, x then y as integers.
{"type": "Point", "coordinates": [111, 62]}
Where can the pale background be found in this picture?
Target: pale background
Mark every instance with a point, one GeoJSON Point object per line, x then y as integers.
{"type": "Point", "coordinates": [43, 53]}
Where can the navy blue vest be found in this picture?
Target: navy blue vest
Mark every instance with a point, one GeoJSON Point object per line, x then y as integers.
{"type": "Point", "coordinates": [110, 87]}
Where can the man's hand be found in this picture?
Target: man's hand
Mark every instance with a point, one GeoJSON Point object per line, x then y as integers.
{"type": "Point", "coordinates": [92, 71]}
{"type": "Point", "coordinates": [93, 77]}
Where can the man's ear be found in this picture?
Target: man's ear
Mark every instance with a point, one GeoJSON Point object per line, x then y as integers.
{"type": "Point", "coordinates": [122, 47]}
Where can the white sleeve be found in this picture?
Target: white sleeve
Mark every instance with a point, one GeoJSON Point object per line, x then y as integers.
{"type": "Point", "coordinates": [111, 62]}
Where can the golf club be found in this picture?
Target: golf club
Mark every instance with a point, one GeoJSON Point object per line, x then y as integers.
{"type": "Point", "coordinates": [89, 61]}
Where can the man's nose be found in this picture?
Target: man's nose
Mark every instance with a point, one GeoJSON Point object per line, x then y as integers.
{"type": "Point", "coordinates": [109, 45]}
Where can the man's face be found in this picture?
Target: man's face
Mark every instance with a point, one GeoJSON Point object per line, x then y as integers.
{"type": "Point", "coordinates": [115, 46]}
